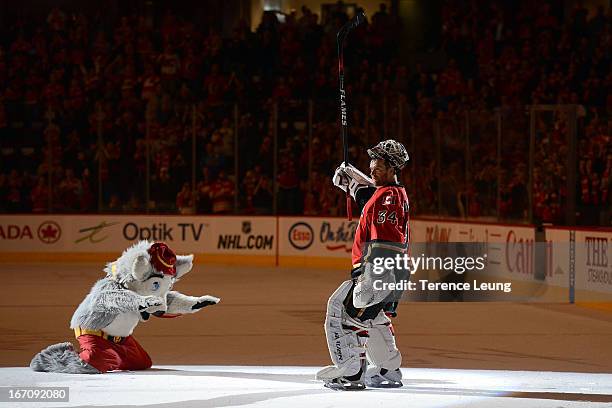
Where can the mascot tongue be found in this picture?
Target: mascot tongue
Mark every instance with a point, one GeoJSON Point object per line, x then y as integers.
{"type": "Point", "coordinates": [163, 258]}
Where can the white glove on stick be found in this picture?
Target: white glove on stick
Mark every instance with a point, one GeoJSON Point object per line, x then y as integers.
{"type": "Point", "coordinates": [348, 176]}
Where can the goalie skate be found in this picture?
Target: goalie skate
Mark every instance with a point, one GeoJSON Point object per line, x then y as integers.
{"type": "Point", "coordinates": [381, 378]}
{"type": "Point", "coordinates": [342, 383]}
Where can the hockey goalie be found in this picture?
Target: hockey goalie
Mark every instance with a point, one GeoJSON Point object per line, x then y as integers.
{"type": "Point", "coordinates": [358, 327]}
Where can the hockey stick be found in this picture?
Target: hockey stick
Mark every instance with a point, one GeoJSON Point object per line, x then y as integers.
{"type": "Point", "coordinates": [340, 39]}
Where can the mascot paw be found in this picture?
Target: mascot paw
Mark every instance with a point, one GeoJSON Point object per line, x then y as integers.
{"type": "Point", "coordinates": [153, 304]}
{"type": "Point", "coordinates": [204, 301]}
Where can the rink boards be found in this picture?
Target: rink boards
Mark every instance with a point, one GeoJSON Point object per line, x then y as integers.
{"type": "Point", "coordinates": [573, 263]}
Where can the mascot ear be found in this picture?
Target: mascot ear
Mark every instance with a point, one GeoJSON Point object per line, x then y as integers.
{"type": "Point", "coordinates": [184, 263]}
{"type": "Point", "coordinates": [141, 267]}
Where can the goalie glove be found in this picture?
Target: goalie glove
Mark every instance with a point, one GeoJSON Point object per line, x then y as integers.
{"type": "Point", "coordinates": [349, 177]}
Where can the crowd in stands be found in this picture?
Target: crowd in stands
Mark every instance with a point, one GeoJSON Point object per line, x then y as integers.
{"type": "Point", "coordinates": [512, 58]}
{"type": "Point", "coordinates": [89, 98]}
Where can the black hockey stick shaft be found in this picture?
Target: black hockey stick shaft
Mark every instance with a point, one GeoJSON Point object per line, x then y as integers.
{"type": "Point", "coordinates": [340, 38]}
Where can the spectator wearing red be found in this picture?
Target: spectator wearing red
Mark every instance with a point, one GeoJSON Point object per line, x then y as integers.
{"type": "Point", "coordinates": [184, 200]}
{"type": "Point", "coordinates": [262, 192]}
{"type": "Point", "coordinates": [40, 196]}
{"type": "Point", "coordinates": [203, 192]}
{"type": "Point", "coordinates": [215, 85]}
{"type": "Point", "coordinates": [222, 194]}
{"type": "Point", "coordinates": [70, 190]}
{"type": "Point", "coordinates": [169, 63]}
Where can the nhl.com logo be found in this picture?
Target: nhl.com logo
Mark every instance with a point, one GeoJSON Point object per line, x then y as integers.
{"type": "Point", "coordinates": [301, 236]}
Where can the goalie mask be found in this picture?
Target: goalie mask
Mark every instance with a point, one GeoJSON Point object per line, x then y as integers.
{"type": "Point", "coordinates": [392, 152]}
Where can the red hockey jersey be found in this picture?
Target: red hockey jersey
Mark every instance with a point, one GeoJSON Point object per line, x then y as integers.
{"type": "Point", "coordinates": [383, 218]}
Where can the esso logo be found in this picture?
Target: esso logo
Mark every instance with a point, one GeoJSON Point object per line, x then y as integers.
{"type": "Point", "coordinates": [301, 236]}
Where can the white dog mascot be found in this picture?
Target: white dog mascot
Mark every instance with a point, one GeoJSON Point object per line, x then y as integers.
{"type": "Point", "coordinates": [136, 285]}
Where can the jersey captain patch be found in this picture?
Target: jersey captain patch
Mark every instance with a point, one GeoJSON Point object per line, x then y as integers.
{"type": "Point", "coordinates": [389, 200]}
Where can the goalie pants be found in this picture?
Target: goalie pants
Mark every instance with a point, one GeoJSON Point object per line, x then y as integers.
{"type": "Point", "coordinates": [369, 312]}
{"type": "Point", "coordinates": [108, 356]}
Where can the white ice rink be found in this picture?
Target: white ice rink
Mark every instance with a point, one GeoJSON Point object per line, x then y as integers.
{"type": "Point", "coordinates": [274, 336]}
{"type": "Point", "coordinates": [294, 387]}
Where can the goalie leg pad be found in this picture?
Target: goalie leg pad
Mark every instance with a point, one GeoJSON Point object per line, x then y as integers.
{"type": "Point", "coordinates": [346, 340]}
{"type": "Point", "coordinates": [383, 354]}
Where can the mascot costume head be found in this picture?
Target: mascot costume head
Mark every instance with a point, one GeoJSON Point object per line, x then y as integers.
{"type": "Point", "coordinates": [137, 285]}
